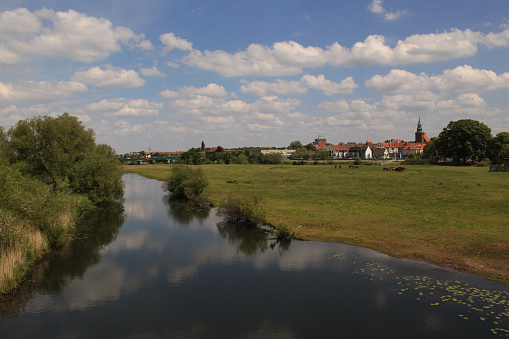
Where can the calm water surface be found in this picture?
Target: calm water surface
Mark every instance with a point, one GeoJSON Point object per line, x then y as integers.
{"type": "Point", "coordinates": [151, 269]}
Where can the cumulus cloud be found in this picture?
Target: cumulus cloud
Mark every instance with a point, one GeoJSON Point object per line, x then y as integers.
{"type": "Point", "coordinates": [377, 7]}
{"type": "Point", "coordinates": [459, 80]}
{"type": "Point", "coordinates": [171, 42]}
{"type": "Point", "coordinates": [152, 72]}
{"type": "Point", "coordinates": [39, 91]}
{"type": "Point", "coordinates": [347, 86]}
{"type": "Point", "coordinates": [68, 34]}
{"type": "Point", "coordinates": [121, 107]}
{"type": "Point", "coordinates": [290, 58]}
{"type": "Point", "coordinates": [110, 77]}
{"type": "Point", "coordinates": [278, 87]}
{"type": "Point", "coordinates": [399, 81]}
{"type": "Point", "coordinates": [468, 79]}
{"type": "Point", "coordinates": [284, 87]}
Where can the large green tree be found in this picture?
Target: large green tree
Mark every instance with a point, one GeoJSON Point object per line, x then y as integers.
{"type": "Point", "coordinates": [62, 152]}
{"type": "Point", "coordinates": [499, 148]}
{"type": "Point", "coordinates": [464, 140]}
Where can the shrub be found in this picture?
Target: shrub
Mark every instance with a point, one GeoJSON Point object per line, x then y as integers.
{"type": "Point", "coordinates": [283, 232]}
{"type": "Point", "coordinates": [186, 182]}
{"type": "Point", "coordinates": [357, 161]}
{"type": "Point", "coordinates": [243, 207]}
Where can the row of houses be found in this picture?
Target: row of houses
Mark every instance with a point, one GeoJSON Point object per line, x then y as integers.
{"type": "Point", "coordinates": [393, 149]}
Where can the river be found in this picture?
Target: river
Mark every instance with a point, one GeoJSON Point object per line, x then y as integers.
{"type": "Point", "coordinates": [148, 268]}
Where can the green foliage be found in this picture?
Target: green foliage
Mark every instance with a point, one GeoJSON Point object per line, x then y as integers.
{"type": "Point", "coordinates": [283, 232]}
{"type": "Point", "coordinates": [295, 145]}
{"type": "Point", "coordinates": [499, 148]}
{"type": "Point", "coordinates": [51, 211]}
{"type": "Point", "coordinates": [357, 161]}
{"type": "Point", "coordinates": [186, 182]}
{"type": "Point", "coordinates": [301, 154]}
{"type": "Point", "coordinates": [464, 140]}
{"type": "Point", "coordinates": [243, 207]}
{"type": "Point", "coordinates": [62, 153]}
{"type": "Point", "coordinates": [99, 175]}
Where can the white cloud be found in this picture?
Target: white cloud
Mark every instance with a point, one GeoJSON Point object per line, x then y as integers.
{"type": "Point", "coordinates": [152, 72]}
{"type": "Point", "coordinates": [377, 7]}
{"type": "Point", "coordinates": [278, 87]}
{"type": "Point", "coordinates": [171, 42]}
{"type": "Point", "coordinates": [329, 87]}
{"type": "Point", "coordinates": [18, 23]}
{"type": "Point", "coordinates": [421, 101]}
{"type": "Point", "coordinates": [284, 87]}
{"type": "Point", "coordinates": [42, 91]}
{"type": "Point", "coordinates": [399, 81]}
{"type": "Point", "coordinates": [168, 94]}
{"type": "Point", "coordinates": [336, 106]}
{"type": "Point", "coordinates": [467, 79]}
{"type": "Point", "coordinates": [459, 80]}
{"type": "Point", "coordinates": [64, 34]}
{"type": "Point", "coordinates": [111, 77]}
{"type": "Point", "coordinates": [290, 58]}
{"type": "Point", "coordinates": [121, 107]}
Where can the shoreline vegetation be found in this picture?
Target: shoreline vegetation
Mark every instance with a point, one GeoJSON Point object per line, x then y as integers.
{"type": "Point", "coordinates": [52, 176]}
{"type": "Point", "coordinates": [454, 217]}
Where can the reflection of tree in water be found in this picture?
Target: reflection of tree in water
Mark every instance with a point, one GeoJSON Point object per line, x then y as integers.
{"type": "Point", "coordinates": [249, 239]}
{"type": "Point", "coordinates": [57, 269]}
{"type": "Point", "coordinates": [184, 211]}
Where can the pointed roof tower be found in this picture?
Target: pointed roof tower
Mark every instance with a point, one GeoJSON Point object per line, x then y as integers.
{"type": "Point", "coordinates": [420, 136]}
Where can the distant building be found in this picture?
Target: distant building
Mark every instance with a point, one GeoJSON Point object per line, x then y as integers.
{"type": "Point", "coordinates": [285, 153]}
{"type": "Point", "coordinates": [320, 142]}
{"type": "Point", "coordinates": [420, 136]}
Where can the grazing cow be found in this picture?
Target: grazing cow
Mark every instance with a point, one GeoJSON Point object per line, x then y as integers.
{"type": "Point", "coordinates": [353, 166]}
{"type": "Point", "coordinates": [339, 166]}
{"type": "Point", "coordinates": [386, 169]}
{"type": "Point", "coordinates": [399, 169]}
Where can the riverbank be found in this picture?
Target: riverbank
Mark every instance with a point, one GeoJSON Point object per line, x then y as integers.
{"type": "Point", "coordinates": [455, 217]}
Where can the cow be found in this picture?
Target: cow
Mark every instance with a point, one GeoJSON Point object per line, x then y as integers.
{"type": "Point", "coordinates": [353, 166]}
{"type": "Point", "coordinates": [386, 169]}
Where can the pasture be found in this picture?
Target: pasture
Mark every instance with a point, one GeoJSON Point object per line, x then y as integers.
{"type": "Point", "coordinates": [456, 217]}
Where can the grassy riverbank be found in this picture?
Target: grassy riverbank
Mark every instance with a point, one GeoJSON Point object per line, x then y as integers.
{"type": "Point", "coordinates": [451, 216]}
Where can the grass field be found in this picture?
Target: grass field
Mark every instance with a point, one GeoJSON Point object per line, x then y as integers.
{"type": "Point", "coordinates": [456, 217]}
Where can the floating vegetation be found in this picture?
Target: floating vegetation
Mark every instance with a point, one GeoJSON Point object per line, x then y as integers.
{"type": "Point", "coordinates": [475, 304]}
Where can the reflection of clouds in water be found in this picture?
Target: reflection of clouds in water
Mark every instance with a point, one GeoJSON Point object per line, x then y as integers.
{"type": "Point", "coordinates": [128, 241]}
{"type": "Point", "coordinates": [141, 210]}
{"type": "Point", "coordinates": [101, 284]}
{"type": "Point", "coordinates": [178, 275]}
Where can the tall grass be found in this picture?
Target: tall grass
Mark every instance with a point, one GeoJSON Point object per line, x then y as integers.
{"type": "Point", "coordinates": [34, 218]}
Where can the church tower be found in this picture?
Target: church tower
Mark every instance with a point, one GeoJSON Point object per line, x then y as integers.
{"type": "Point", "coordinates": [420, 136]}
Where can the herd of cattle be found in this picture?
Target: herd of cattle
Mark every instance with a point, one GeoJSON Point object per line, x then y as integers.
{"type": "Point", "coordinates": [397, 169]}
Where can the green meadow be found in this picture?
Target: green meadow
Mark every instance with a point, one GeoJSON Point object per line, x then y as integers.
{"type": "Point", "coordinates": [456, 217]}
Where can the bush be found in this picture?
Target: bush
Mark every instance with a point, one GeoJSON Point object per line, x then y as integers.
{"type": "Point", "coordinates": [186, 182]}
{"type": "Point", "coordinates": [243, 207]}
{"type": "Point", "coordinates": [283, 232]}
{"type": "Point", "coordinates": [357, 161]}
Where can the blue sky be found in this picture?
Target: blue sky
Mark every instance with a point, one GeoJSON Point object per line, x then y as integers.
{"type": "Point", "coordinates": [170, 74]}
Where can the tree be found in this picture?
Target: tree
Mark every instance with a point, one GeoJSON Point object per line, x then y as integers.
{"type": "Point", "coordinates": [186, 182]}
{"type": "Point", "coordinates": [301, 153]}
{"type": "Point", "coordinates": [430, 150]}
{"type": "Point", "coordinates": [464, 140]}
{"type": "Point", "coordinates": [61, 152]}
{"type": "Point", "coordinates": [499, 147]}
{"type": "Point", "coordinates": [202, 146]}
{"type": "Point", "coordinates": [295, 145]}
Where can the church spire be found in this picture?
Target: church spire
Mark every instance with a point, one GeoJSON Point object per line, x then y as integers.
{"type": "Point", "coordinates": [419, 126]}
